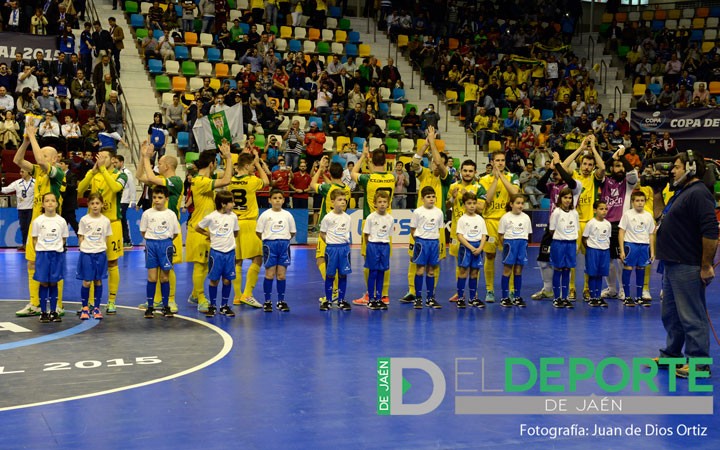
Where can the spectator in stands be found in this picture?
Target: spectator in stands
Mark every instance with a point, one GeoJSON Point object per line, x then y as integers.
{"type": "Point", "coordinates": [102, 40]}
{"type": "Point", "coordinates": [702, 94]}
{"type": "Point", "coordinates": [672, 69]}
{"type": "Point", "coordinates": [280, 177]}
{"type": "Point", "coordinates": [48, 104]}
{"type": "Point", "coordinates": [314, 141]}
{"type": "Point", "coordinates": [155, 16]}
{"type": "Point", "coordinates": [294, 139]}
{"type": "Point", "coordinates": [27, 104]}
{"type": "Point", "coordinates": [9, 129]}
{"type": "Point", "coordinates": [42, 67]}
{"type": "Point", "coordinates": [90, 137]}
{"type": "Point", "coordinates": [300, 184]}
{"type": "Point", "coordinates": [118, 37]}
{"type": "Point", "coordinates": [15, 17]}
{"type": "Point", "coordinates": [356, 96]}
{"type": "Point", "coordinates": [157, 137]}
{"type": "Point", "coordinates": [336, 121]}
{"type": "Point", "coordinates": [188, 15]}
{"type": "Point", "coordinates": [510, 125]}
{"type": "Point", "coordinates": [528, 179]}
{"type": "Point", "coordinates": [39, 23]}
{"type": "Point", "coordinates": [667, 97]}
{"type": "Point", "coordinates": [49, 132]}
{"type": "Point", "coordinates": [86, 47]}
{"type": "Point", "coordinates": [647, 101]}
{"type": "Point", "coordinates": [411, 124]}
{"type": "Point", "coordinates": [430, 117]}
{"type": "Point", "coordinates": [175, 114]}
{"type": "Point", "coordinates": [72, 134]}
{"type": "Point", "coordinates": [103, 90]}
{"type": "Point", "coordinates": [683, 97]}
{"type": "Point", "coordinates": [373, 128]}
{"type": "Point", "coordinates": [356, 122]}
{"type": "Point", "coordinates": [82, 92]}
{"type": "Point", "coordinates": [668, 145]}
{"type": "Point", "coordinates": [150, 47]}
{"type": "Point", "coordinates": [114, 114]}
{"type": "Point", "coordinates": [515, 160]}
{"type": "Point", "coordinates": [390, 75]}
{"type": "Point", "coordinates": [102, 68]}
{"type": "Point", "coordinates": [402, 181]}
{"type": "Point", "coordinates": [7, 103]}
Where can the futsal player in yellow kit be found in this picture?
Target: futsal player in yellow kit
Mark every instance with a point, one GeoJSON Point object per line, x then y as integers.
{"type": "Point", "coordinates": [197, 246]}
{"type": "Point", "coordinates": [325, 189]}
{"type": "Point", "coordinates": [493, 210]}
{"type": "Point", "coordinates": [48, 178]}
{"type": "Point", "coordinates": [107, 181]}
{"type": "Point", "coordinates": [377, 180]}
{"type": "Point", "coordinates": [244, 187]}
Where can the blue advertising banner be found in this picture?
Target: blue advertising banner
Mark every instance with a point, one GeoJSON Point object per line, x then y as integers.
{"type": "Point", "coordinates": [10, 235]}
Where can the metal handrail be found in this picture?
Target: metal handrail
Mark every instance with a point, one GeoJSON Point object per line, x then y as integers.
{"type": "Point", "coordinates": [603, 83]}
{"type": "Point", "coordinates": [617, 105]}
{"type": "Point", "coordinates": [591, 49]}
{"type": "Point", "coordinates": [131, 134]}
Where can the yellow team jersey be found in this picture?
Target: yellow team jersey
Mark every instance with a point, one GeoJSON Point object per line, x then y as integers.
{"type": "Point", "coordinates": [109, 184]}
{"type": "Point", "coordinates": [439, 185]}
{"type": "Point", "coordinates": [495, 208]}
{"type": "Point", "coordinates": [45, 182]}
{"type": "Point", "coordinates": [539, 70]}
{"type": "Point", "coordinates": [587, 196]}
{"type": "Point", "coordinates": [458, 206]}
{"type": "Point", "coordinates": [203, 195]}
{"type": "Point", "coordinates": [372, 183]}
{"type": "Point", "coordinates": [244, 189]}
{"type": "Point", "coordinates": [649, 200]}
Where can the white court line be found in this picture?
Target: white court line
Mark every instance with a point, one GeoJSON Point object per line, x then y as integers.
{"type": "Point", "coordinates": [227, 346]}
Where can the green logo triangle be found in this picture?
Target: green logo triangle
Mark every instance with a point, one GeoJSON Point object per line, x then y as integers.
{"type": "Point", "coordinates": [406, 385]}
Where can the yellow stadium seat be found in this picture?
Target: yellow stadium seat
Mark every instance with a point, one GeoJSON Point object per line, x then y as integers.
{"type": "Point", "coordinates": [674, 14]}
{"type": "Point", "coordinates": [340, 141]}
{"type": "Point", "coordinates": [286, 32]}
{"type": "Point", "coordinates": [304, 106]}
{"type": "Point", "coordinates": [402, 41]}
{"type": "Point", "coordinates": [639, 89]}
{"type": "Point", "coordinates": [341, 36]}
{"type": "Point", "coordinates": [364, 50]}
{"type": "Point", "coordinates": [698, 23]}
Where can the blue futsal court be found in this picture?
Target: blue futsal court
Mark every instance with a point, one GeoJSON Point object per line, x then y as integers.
{"type": "Point", "coordinates": [309, 379]}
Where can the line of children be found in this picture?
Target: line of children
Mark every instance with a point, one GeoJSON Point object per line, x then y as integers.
{"type": "Point", "coordinates": [221, 227]}
{"type": "Point", "coordinates": [276, 228]}
{"type": "Point", "coordinates": [159, 226]}
{"type": "Point", "coordinates": [514, 232]}
{"type": "Point", "coordinates": [93, 232]}
{"type": "Point", "coordinates": [471, 234]}
{"type": "Point", "coordinates": [49, 236]}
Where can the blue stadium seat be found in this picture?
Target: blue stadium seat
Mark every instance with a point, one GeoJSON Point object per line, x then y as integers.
{"type": "Point", "coordinates": [715, 11]}
{"type": "Point", "coordinates": [335, 11]}
{"type": "Point", "coordinates": [547, 114]}
{"type": "Point", "coordinates": [155, 66]}
{"type": "Point", "coordinates": [183, 140]}
{"type": "Point", "coordinates": [354, 37]}
{"type": "Point", "coordinates": [233, 83]}
{"type": "Point", "coordinates": [696, 36]}
{"type": "Point", "coordinates": [340, 160]}
{"type": "Point", "coordinates": [214, 55]}
{"type": "Point", "coordinates": [655, 88]}
{"type": "Point", "coordinates": [244, 27]}
{"type": "Point", "coordinates": [384, 107]}
{"type": "Point", "coordinates": [351, 50]}
{"type": "Point", "coordinates": [158, 34]}
{"type": "Point", "coordinates": [294, 45]}
{"type": "Point", "coordinates": [317, 120]}
{"type": "Point", "coordinates": [658, 25]}
{"type": "Point", "coordinates": [181, 52]}
{"type": "Point", "coordinates": [360, 143]}
{"type": "Point", "coordinates": [137, 21]}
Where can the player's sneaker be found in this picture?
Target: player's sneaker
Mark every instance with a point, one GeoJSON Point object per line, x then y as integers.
{"type": "Point", "coordinates": [460, 303]}
{"type": "Point", "coordinates": [60, 311]}
{"type": "Point", "coordinates": [646, 303]}
{"type": "Point", "coordinates": [336, 295]}
{"type": "Point", "coordinates": [602, 303]}
{"type": "Point", "coordinates": [156, 305]}
{"type": "Point", "coordinates": [324, 306]}
{"type": "Point", "coordinates": [558, 303]}
{"type": "Point", "coordinates": [518, 301]}
{"type": "Point", "coordinates": [490, 297]}
{"type": "Point", "coordinates": [476, 302]}
{"type": "Point", "coordinates": [28, 311]}
{"type": "Point", "coordinates": [192, 300]}
{"type": "Point", "coordinates": [586, 294]}
{"type": "Point", "coordinates": [407, 298]}
{"type": "Point", "coordinates": [454, 298]}
{"type": "Point", "coordinates": [173, 307]}
{"type": "Point", "coordinates": [417, 303]}
{"type": "Point", "coordinates": [621, 294]}
{"type": "Point", "coordinates": [593, 302]}
{"type": "Point", "coordinates": [225, 310]}
{"type": "Point", "coordinates": [383, 305]}
{"type": "Point", "coordinates": [572, 295]}
{"type": "Point", "coordinates": [385, 300]}
{"type": "Point", "coordinates": [211, 311]}
{"type": "Point", "coordinates": [628, 301]}
{"type": "Point", "coordinates": [684, 371]}
{"type": "Point", "coordinates": [203, 306]}
{"type": "Point", "coordinates": [236, 301]}
{"type": "Point", "coordinates": [374, 305]}
{"type": "Point", "coordinates": [167, 312]}
{"type": "Point", "coordinates": [282, 306]}
{"type": "Point", "coordinates": [541, 295]}
{"type": "Point", "coordinates": [150, 313]}
{"type": "Point", "coordinates": [345, 306]}
{"type": "Point", "coordinates": [110, 309]}
{"type": "Point", "coordinates": [569, 304]}
{"type": "Point", "coordinates": [97, 315]}
{"type": "Point", "coordinates": [506, 302]}
{"type": "Point", "coordinates": [432, 303]}
{"type": "Point", "coordinates": [362, 300]}
{"type": "Point", "coordinates": [55, 317]}
{"type": "Point", "coordinates": [250, 301]}
{"type": "Point", "coordinates": [646, 295]}
{"type": "Point", "coordinates": [85, 313]}
{"type": "Point", "coordinates": [609, 293]}
{"type": "Point", "coordinates": [44, 317]}
{"type": "Point", "coordinates": [267, 306]}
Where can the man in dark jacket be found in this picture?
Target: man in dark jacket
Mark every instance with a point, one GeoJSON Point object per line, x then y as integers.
{"type": "Point", "coordinates": [70, 196]}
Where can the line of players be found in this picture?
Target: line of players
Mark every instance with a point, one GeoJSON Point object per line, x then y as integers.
{"type": "Point", "coordinates": [250, 175]}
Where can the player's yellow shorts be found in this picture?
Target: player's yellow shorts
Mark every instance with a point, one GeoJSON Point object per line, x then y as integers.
{"type": "Point", "coordinates": [30, 246]}
{"type": "Point", "coordinates": [247, 244]}
{"type": "Point", "coordinates": [197, 247]}
{"type": "Point", "coordinates": [115, 242]}
{"type": "Point", "coordinates": [321, 246]}
{"type": "Point", "coordinates": [580, 246]}
{"type": "Point", "coordinates": [492, 228]}
{"type": "Point", "coordinates": [441, 245]}
{"type": "Point", "coordinates": [177, 249]}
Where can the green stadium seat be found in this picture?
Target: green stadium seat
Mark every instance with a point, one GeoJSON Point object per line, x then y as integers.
{"type": "Point", "coordinates": [131, 7]}
{"type": "Point", "coordinates": [162, 83]}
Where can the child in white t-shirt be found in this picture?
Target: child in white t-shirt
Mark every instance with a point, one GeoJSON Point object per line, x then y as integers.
{"type": "Point", "coordinates": [472, 234]}
{"type": "Point", "coordinates": [425, 227]}
{"type": "Point", "coordinates": [565, 226]}
{"type": "Point", "coordinates": [93, 230]}
{"type": "Point", "coordinates": [637, 246]}
{"type": "Point", "coordinates": [377, 231]}
{"type": "Point", "coordinates": [514, 232]}
{"type": "Point", "coordinates": [596, 239]}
